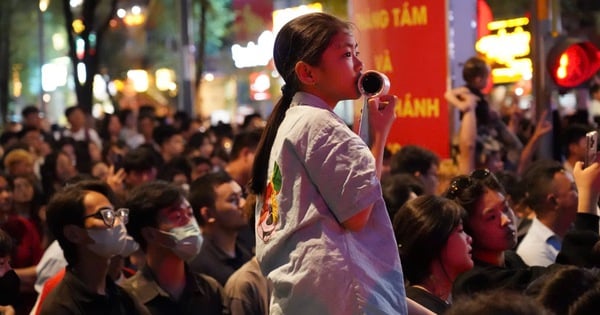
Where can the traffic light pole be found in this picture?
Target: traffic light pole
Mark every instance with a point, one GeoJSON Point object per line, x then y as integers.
{"type": "Point", "coordinates": [545, 27]}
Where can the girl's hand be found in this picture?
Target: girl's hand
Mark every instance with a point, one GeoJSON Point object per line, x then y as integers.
{"type": "Point", "coordinates": [381, 115]}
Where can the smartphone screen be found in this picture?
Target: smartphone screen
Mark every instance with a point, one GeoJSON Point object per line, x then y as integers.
{"type": "Point", "coordinates": [591, 148]}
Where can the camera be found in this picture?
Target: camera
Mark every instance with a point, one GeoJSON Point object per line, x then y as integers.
{"type": "Point", "coordinates": [373, 83]}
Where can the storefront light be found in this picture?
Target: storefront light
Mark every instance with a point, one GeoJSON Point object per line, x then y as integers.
{"type": "Point", "coordinates": [112, 88]}
{"type": "Point", "coordinates": [99, 88]}
{"type": "Point", "coordinates": [81, 72]}
{"type": "Point", "coordinates": [209, 77]}
{"type": "Point", "coordinates": [53, 76]}
{"type": "Point", "coordinates": [75, 3]}
{"type": "Point", "coordinates": [280, 17]}
{"type": "Point", "coordinates": [519, 91]}
{"type": "Point", "coordinates": [254, 54]}
{"type": "Point", "coordinates": [78, 26]}
{"type": "Point", "coordinates": [44, 5]}
{"type": "Point", "coordinates": [509, 48]}
{"type": "Point", "coordinates": [139, 78]}
{"type": "Point", "coordinates": [58, 41]}
{"type": "Point", "coordinates": [135, 16]}
{"type": "Point", "coordinates": [165, 78]}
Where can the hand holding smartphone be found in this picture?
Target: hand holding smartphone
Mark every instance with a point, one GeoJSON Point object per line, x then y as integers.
{"type": "Point", "coordinates": [591, 149]}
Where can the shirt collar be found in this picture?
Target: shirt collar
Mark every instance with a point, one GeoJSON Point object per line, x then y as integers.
{"type": "Point", "coordinates": [147, 288]}
{"type": "Point", "coordinates": [85, 294]}
{"type": "Point", "coordinates": [542, 230]}
{"type": "Point", "coordinates": [307, 99]}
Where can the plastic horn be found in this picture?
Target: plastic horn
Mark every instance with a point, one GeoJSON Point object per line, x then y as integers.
{"type": "Point", "coordinates": [370, 84]}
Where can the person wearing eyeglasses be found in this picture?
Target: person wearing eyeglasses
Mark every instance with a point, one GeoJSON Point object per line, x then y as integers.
{"type": "Point", "coordinates": [162, 222]}
{"type": "Point", "coordinates": [491, 223]}
{"type": "Point", "coordinates": [90, 230]}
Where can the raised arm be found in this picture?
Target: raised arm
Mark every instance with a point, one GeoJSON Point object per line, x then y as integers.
{"type": "Point", "coordinates": [381, 117]}
{"type": "Point", "coordinates": [588, 187]}
{"type": "Point", "coordinates": [542, 127]}
{"type": "Point", "coordinates": [465, 102]}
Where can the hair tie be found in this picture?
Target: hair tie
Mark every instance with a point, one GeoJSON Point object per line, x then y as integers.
{"type": "Point", "coordinates": [287, 90]}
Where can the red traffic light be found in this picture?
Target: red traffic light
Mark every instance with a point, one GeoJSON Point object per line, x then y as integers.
{"type": "Point", "coordinates": [572, 61]}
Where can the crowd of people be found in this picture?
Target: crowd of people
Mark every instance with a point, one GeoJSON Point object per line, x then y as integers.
{"type": "Point", "coordinates": [94, 205]}
{"type": "Point", "coordinates": [140, 214]}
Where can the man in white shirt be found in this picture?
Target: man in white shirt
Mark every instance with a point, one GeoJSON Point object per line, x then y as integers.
{"type": "Point", "coordinates": [78, 129]}
{"type": "Point", "coordinates": [551, 194]}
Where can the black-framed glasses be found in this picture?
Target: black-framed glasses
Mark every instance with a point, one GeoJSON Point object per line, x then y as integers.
{"type": "Point", "coordinates": [108, 215]}
{"type": "Point", "coordinates": [459, 184]}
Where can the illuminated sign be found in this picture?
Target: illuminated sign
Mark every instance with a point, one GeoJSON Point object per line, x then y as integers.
{"type": "Point", "coordinates": [260, 53]}
{"type": "Point", "coordinates": [139, 78]}
{"type": "Point", "coordinates": [254, 54]}
{"type": "Point", "coordinates": [508, 49]}
{"type": "Point", "coordinates": [259, 86]}
{"type": "Point", "coordinates": [55, 74]}
{"type": "Point", "coordinates": [280, 17]}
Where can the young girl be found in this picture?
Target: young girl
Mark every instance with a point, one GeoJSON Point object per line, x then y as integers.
{"type": "Point", "coordinates": [323, 235]}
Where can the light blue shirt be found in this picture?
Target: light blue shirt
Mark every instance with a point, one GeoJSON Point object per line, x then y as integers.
{"type": "Point", "coordinates": [326, 176]}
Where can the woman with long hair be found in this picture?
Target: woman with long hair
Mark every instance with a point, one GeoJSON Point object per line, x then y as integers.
{"type": "Point", "coordinates": [434, 249]}
{"type": "Point", "coordinates": [324, 237]}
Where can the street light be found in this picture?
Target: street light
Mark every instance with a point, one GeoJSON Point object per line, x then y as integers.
{"type": "Point", "coordinates": [135, 16]}
{"type": "Point", "coordinates": [44, 5]}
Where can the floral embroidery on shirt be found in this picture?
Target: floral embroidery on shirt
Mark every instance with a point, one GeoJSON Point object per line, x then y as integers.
{"type": "Point", "coordinates": [269, 214]}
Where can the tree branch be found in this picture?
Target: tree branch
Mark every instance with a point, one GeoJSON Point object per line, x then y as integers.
{"type": "Point", "coordinates": [104, 25]}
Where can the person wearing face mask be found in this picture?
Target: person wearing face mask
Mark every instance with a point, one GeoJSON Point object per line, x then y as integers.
{"type": "Point", "coordinates": [162, 221]}
{"type": "Point", "coordinates": [116, 271]}
{"type": "Point", "coordinates": [90, 229]}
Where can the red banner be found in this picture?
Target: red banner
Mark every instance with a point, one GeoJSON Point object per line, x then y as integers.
{"type": "Point", "coordinates": [408, 42]}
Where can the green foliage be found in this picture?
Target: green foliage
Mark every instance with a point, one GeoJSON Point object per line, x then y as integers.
{"type": "Point", "coordinates": [24, 45]}
{"type": "Point", "coordinates": [219, 18]}
{"type": "Point", "coordinates": [162, 29]}
{"type": "Point", "coordinates": [23, 48]}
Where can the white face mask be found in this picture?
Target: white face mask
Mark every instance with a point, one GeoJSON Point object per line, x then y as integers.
{"type": "Point", "coordinates": [108, 242]}
{"type": "Point", "coordinates": [187, 240]}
